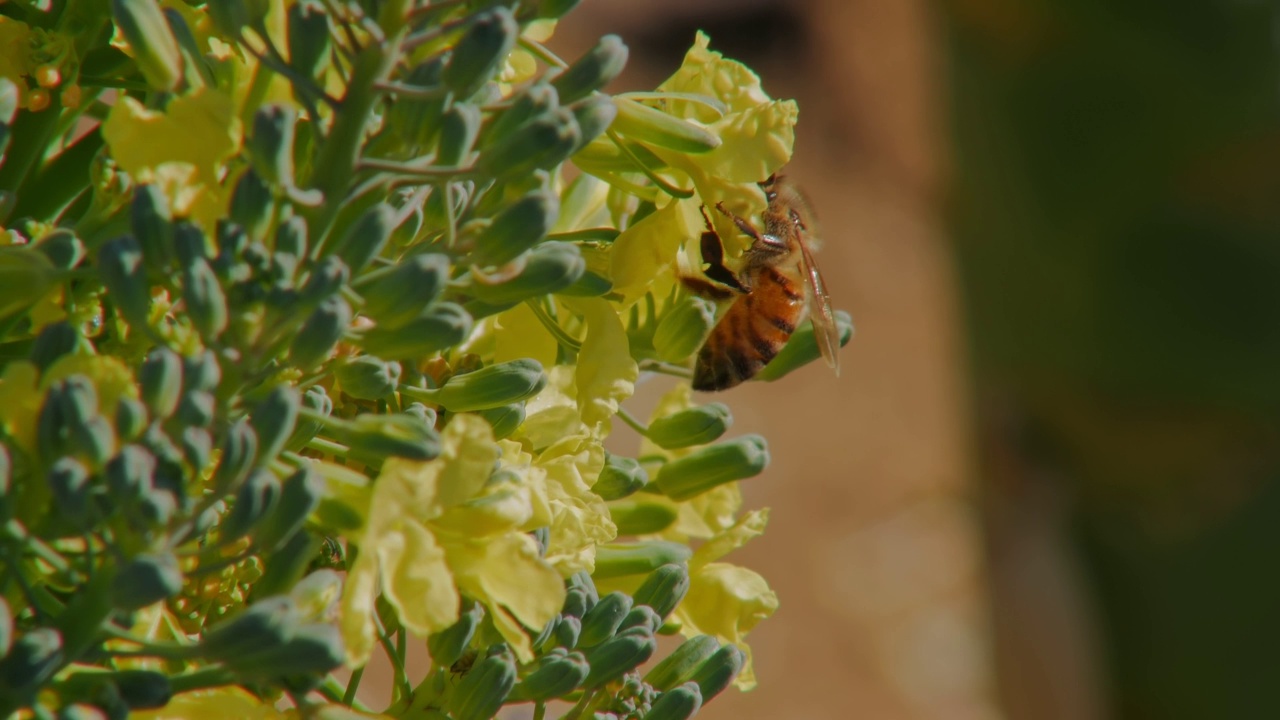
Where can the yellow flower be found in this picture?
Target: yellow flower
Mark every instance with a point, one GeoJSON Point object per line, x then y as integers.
{"type": "Point", "coordinates": [21, 398]}
{"type": "Point", "coordinates": [215, 704]}
{"type": "Point", "coordinates": [440, 528]}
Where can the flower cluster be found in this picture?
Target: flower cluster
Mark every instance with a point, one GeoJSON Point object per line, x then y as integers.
{"type": "Point", "coordinates": [309, 350]}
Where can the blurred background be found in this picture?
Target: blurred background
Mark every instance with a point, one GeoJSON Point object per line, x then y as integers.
{"type": "Point", "coordinates": [1044, 485]}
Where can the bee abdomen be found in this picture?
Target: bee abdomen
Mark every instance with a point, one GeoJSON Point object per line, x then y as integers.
{"type": "Point", "coordinates": [748, 336]}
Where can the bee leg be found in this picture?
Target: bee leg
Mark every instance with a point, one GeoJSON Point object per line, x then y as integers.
{"type": "Point", "coordinates": [765, 245]}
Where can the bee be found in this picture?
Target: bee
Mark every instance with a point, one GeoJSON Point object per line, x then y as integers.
{"type": "Point", "coordinates": [779, 284]}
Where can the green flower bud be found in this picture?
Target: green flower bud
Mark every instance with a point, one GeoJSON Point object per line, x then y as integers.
{"type": "Point", "coordinates": [567, 631]}
{"type": "Point", "coordinates": [594, 115]}
{"type": "Point", "coordinates": [719, 670]}
{"type": "Point", "coordinates": [601, 622]}
{"type": "Point", "coordinates": [543, 142]}
{"type": "Point", "coordinates": [641, 616]}
{"type": "Point", "coordinates": [154, 48]}
{"type": "Point", "coordinates": [143, 689]}
{"type": "Point", "coordinates": [264, 624]}
{"type": "Point", "coordinates": [308, 29]}
{"type": "Point", "coordinates": [396, 295]}
{"type": "Point", "coordinates": [619, 654]}
{"type": "Point", "coordinates": [372, 438]}
{"type": "Point", "coordinates": [94, 440]}
{"type": "Point", "coordinates": [320, 333]}
{"type": "Point", "coordinates": [6, 627]}
{"type": "Point", "coordinates": [201, 372]}
{"type": "Point", "coordinates": [621, 476]}
{"type": "Point", "coordinates": [270, 147]}
{"type": "Point", "coordinates": [664, 589]}
{"type": "Point", "coordinates": [197, 447]}
{"type": "Point", "coordinates": [576, 602]}
{"type": "Point", "coordinates": [437, 328]}
{"type": "Point", "coordinates": [313, 648]}
{"type": "Point", "coordinates": [120, 268]}
{"type": "Point", "coordinates": [54, 341]}
{"type": "Point", "coordinates": [549, 267]}
{"type": "Point", "coordinates": [286, 565]}
{"type": "Point", "coordinates": [318, 402]}
{"type": "Point", "coordinates": [655, 127]}
{"type": "Point", "coordinates": [153, 226]}
{"type": "Point", "coordinates": [251, 204]}
{"type": "Point", "coordinates": [459, 128]}
{"type": "Point", "coordinates": [484, 688]}
{"type": "Point", "coordinates": [554, 676]}
{"type": "Point", "coordinates": [326, 278]}
{"type": "Point", "coordinates": [63, 248]}
{"type": "Point", "coordinates": [205, 301]}
{"type": "Point", "coordinates": [131, 418]}
{"type": "Point", "coordinates": [130, 474]}
{"type": "Point", "coordinates": [489, 387]}
{"type": "Point", "coordinates": [68, 481]}
{"type": "Point", "coordinates": [679, 667]}
{"type": "Point", "coordinates": [160, 379]}
{"type": "Point", "coordinates": [300, 494]}
{"type": "Point", "coordinates": [684, 328]}
{"type": "Point", "coordinates": [195, 68]}
{"type": "Point", "coordinates": [145, 580]}
{"type": "Point", "coordinates": [582, 580]}
{"type": "Point", "coordinates": [639, 558]}
{"type": "Point", "coordinates": [516, 228]}
{"type": "Point", "coordinates": [593, 70]}
{"type": "Point", "coordinates": [197, 408]}
{"type": "Point", "coordinates": [678, 703]}
{"type": "Point", "coordinates": [273, 421]}
{"type": "Point", "coordinates": [291, 237]}
{"type": "Point", "coordinates": [416, 121]}
{"type": "Point", "coordinates": [527, 103]}
{"type": "Point", "coordinates": [504, 420]}
{"type": "Point", "coordinates": [480, 52]}
{"type": "Point", "coordinates": [32, 660]}
{"type": "Point", "coordinates": [642, 514]}
{"type": "Point", "coordinates": [189, 243]}
{"type": "Point", "coordinates": [366, 377]}
{"type": "Point", "coordinates": [239, 450]}
{"type": "Point", "coordinates": [448, 645]}
{"type": "Point", "coordinates": [365, 238]}
{"type": "Point", "coordinates": [229, 17]}
{"type": "Point", "coordinates": [712, 466]}
{"type": "Point", "coordinates": [802, 349]}
{"type": "Point", "coordinates": [692, 426]}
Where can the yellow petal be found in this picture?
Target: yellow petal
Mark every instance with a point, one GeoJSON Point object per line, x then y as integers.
{"type": "Point", "coordinates": [216, 704]}
{"type": "Point", "coordinates": [606, 372]}
{"type": "Point", "coordinates": [416, 580]}
{"type": "Point", "coordinates": [111, 378]}
{"type": "Point", "coordinates": [707, 72]}
{"type": "Point", "coordinates": [749, 526]}
{"type": "Point", "coordinates": [727, 601]}
{"type": "Point", "coordinates": [647, 251]}
{"type": "Point", "coordinates": [20, 401]}
{"type": "Point", "coordinates": [519, 334]}
{"type": "Point", "coordinates": [580, 519]}
{"type": "Point", "coordinates": [359, 634]}
{"type": "Point", "coordinates": [553, 413]}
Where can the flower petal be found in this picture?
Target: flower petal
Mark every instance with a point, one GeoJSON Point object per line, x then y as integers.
{"type": "Point", "coordinates": [606, 372]}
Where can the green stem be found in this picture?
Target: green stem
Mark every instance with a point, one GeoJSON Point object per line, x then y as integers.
{"type": "Point", "coordinates": [635, 424]}
{"type": "Point", "coordinates": [203, 678]}
{"type": "Point", "coordinates": [353, 686]}
{"type": "Point", "coordinates": [32, 132]}
{"type": "Point", "coordinates": [542, 53]}
{"type": "Point", "coordinates": [565, 339]}
{"type": "Point", "coordinates": [666, 369]}
{"type": "Point", "coordinates": [667, 187]}
{"type": "Point", "coordinates": [539, 710]}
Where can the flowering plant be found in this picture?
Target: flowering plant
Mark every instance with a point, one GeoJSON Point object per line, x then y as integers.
{"type": "Point", "coordinates": [309, 349]}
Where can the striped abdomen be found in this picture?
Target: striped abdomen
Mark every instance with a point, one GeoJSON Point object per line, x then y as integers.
{"type": "Point", "coordinates": [751, 333]}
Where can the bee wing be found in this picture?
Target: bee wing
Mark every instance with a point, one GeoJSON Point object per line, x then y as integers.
{"type": "Point", "coordinates": [824, 320]}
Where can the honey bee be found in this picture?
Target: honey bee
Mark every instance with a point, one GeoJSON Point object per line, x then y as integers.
{"type": "Point", "coordinates": [777, 286]}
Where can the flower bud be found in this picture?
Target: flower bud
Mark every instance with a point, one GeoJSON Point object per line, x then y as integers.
{"type": "Point", "coordinates": [532, 101]}
{"type": "Point", "coordinates": [484, 688]}
{"type": "Point", "coordinates": [63, 248]}
{"type": "Point", "coordinates": [554, 676]}
{"type": "Point", "coordinates": [459, 127]}
{"type": "Point", "coordinates": [715, 674]}
{"type": "Point", "coordinates": [153, 226]}
{"type": "Point", "coordinates": [6, 627]}
{"type": "Point", "coordinates": [372, 438]}
{"type": "Point", "coordinates": [592, 71]}
{"type": "Point", "coordinates": [308, 30]}
{"type": "Point", "coordinates": [641, 616]}
{"type": "Point", "coordinates": [270, 147]}
{"type": "Point", "coordinates": [682, 663]}
{"type": "Point", "coordinates": [201, 372]}
{"type": "Point", "coordinates": [94, 440]}
{"type": "Point", "coordinates": [251, 204]}
{"type": "Point", "coordinates": [54, 341]}
{"type": "Point", "coordinates": [684, 328]}
{"type": "Point", "coordinates": [131, 418]}
{"type": "Point", "coordinates": [639, 558]}
{"type": "Point", "coordinates": [160, 379]}
{"type": "Point", "coordinates": [273, 421]}
{"type": "Point", "coordinates": [143, 689]}
{"type": "Point", "coordinates": [121, 271]}
{"type": "Point", "coordinates": [300, 494]}
{"type": "Point", "coordinates": [543, 142]}
{"type": "Point", "coordinates": [318, 402]}
{"type": "Point", "coordinates": [567, 631]}
{"type": "Point", "coordinates": [656, 127]}
{"type": "Point", "coordinates": [601, 622]}
{"type": "Point", "coordinates": [195, 69]}
{"type": "Point", "coordinates": [312, 648]}
{"type": "Point", "coordinates": [480, 52]}
{"type": "Point", "coordinates": [320, 333]}
{"type": "Point", "coordinates": [678, 703]}
{"type": "Point", "coordinates": [366, 377]}
{"type": "Point", "coordinates": [197, 408]}
{"type": "Point", "coordinates": [239, 451]}
{"type": "Point", "coordinates": [621, 476]}
{"type": "Point", "coordinates": [291, 237]}
{"type": "Point", "coordinates": [489, 387]}
{"type": "Point", "coordinates": [286, 566]}
{"type": "Point", "coordinates": [664, 589]}
{"type": "Point", "coordinates": [146, 579]}
{"type": "Point", "coordinates": [229, 17]}
{"type": "Point", "coordinates": [131, 473]}
{"type": "Point", "coordinates": [577, 602]}
{"type": "Point", "coordinates": [154, 49]}
{"type": "Point", "coordinates": [266, 623]}
{"type": "Point", "coordinates": [642, 514]}
{"type": "Point", "coordinates": [712, 466]}
{"type": "Point", "coordinates": [448, 645]}
{"type": "Point", "coordinates": [32, 660]}
{"type": "Point", "coordinates": [582, 580]}
{"type": "Point", "coordinates": [437, 328]}
{"type": "Point", "coordinates": [594, 115]}
{"type": "Point", "coordinates": [549, 267]}
{"type": "Point", "coordinates": [691, 426]}
{"type": "Point", "coordinates": [802, 349]}
{"type": "Point", "coordinates": [365, 238]}
{"type": "Point", "coordinates": [395, 295]}
{"type": "Point", "coordinates": [618, 655]}
{"type": "Point", "coordinates": [327, 277]}
{"type": "Point", "coordinates": [205, 301]}
{"type": "Point", "coordinates": [504, 420]}
{"type": "Point", "coordinates": [516, 228]}
{"type": "Point", "coordinates": [68, 481]}
{"type": "Point", "coordinates": [197, 447]}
